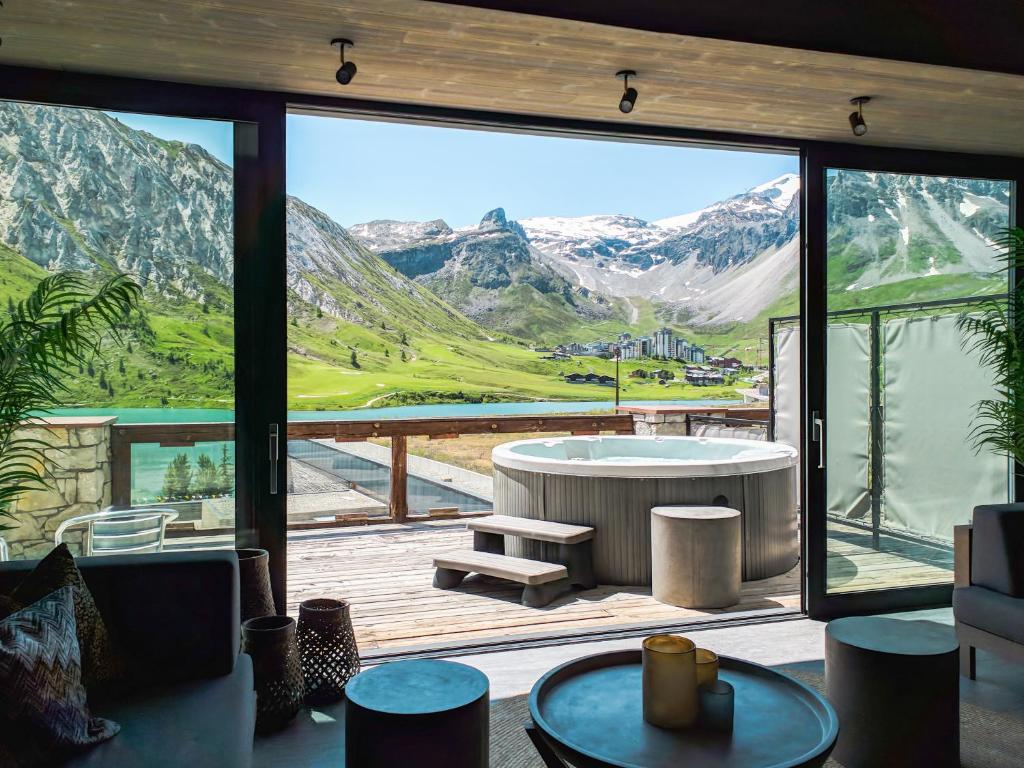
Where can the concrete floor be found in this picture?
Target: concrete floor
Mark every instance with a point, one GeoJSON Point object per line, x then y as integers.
{"type": "Point", "coordinates": [316, 738]}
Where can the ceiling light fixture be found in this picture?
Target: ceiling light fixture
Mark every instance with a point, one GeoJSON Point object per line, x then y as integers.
{"type": "Point", "coordinates": [628, 100]}
{"type": "Point", "coordinates": [857, 118]}
{"type": "Point", "coordinates": [347, 70]}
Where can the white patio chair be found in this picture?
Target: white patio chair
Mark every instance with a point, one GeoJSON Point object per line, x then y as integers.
{"type": "Point", "coordinates": [117, 532]}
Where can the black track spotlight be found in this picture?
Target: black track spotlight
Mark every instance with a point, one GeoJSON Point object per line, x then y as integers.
{"type": "Point", "coordinates": [347, 70]}
{"type": "Point", "coordinates": [857, 118]}
{"type": "Point", "coordinates": [628, 100]}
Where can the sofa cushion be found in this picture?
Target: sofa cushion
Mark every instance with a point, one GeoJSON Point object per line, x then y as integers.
{"type": "Point", "coordinates": [997, 552]}
{"type": "Point", "coordinates": [43, 712]}
{"type": "Point", "coordinates": [100, 662]}
{"type": "Point", "coordinates": [200, 724]}
{"type": "Point", "coordinates": [991, 611]}
{"type": "Point", "coordinates": [173, 615]}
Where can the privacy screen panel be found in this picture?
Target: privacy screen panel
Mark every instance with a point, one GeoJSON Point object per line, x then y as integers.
{"type": "Point", "coordinates": [786, 397]}
{"type": "Point", "coordinates": [933, 477]}
{"type": "Point", "coordinates": [848, 414]}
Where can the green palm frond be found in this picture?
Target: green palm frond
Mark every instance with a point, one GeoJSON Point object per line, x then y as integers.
{"type": "Point", "coordinates": [993, 332]}
{"type": "Point", "coordinates": [60, 325]}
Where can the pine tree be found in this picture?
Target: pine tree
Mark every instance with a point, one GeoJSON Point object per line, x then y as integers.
{"type": "Point", "coordinates": [120, 366]}
{"type": "Point", "coordinates": [178, 477]}
{"type": "Point", "coordinates": [404, 358]}
{"type": "Point", "coordinates": [226, 471]}
{"type": "Point", "coordinates": [129, 347]}
{"type": "Point", "coordinates": [11, 308]}
{"type": "Point", "coordinates": [103, 380]}
{"type": "Point", "coordinates": [355, 359]}
{"type": "Point", "coordinates": [207, 478]}
{"type": "Point", "coordinates": [387, 353]}
{"type": "Point", "coordinates": [90, 370]}
{"type": "Point", "coordinates": [319, 312]}
{"type": "Point", "coordinates": [403, 339]}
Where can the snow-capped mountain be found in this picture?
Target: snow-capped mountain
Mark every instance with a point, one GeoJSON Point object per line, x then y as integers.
{"type": "Point", "coordinates": [491, 272]}
{"type": "Point", "coordinates": [723, 263]}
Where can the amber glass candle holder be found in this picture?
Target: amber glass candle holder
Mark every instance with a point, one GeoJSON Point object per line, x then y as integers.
{"type": "Point", "coordinates": [707, 666]}
{"type": "Point", "coordinates": [669, 681]}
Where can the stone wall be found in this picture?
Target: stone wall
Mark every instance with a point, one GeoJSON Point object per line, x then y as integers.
{"type": "Point", "coordinates": [77, 470]}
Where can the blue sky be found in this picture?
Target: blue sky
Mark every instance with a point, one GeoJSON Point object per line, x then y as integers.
{"type": "Point", "coordinates": [359, 170]}
{"type": "Point", "coordinates": [215, 136]}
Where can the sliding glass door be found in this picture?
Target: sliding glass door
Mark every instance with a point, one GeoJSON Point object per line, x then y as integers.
{"type": "Point", "coordinates": [901, 261]}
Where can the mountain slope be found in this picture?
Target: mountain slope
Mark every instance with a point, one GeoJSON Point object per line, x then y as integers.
{"type": "Point", "coordinates": [491, 272]}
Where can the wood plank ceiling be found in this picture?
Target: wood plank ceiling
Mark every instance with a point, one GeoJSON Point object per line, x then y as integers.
{"type": "Point", "coordinates": [435, 54]}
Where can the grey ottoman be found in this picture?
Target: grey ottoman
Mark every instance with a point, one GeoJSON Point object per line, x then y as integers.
{"type": "Point", "coordinates": [425, 713]}
{"type": "Point", "coordinates": [696, 561]}
{"type": "Point", "coordinates": [895, 685]}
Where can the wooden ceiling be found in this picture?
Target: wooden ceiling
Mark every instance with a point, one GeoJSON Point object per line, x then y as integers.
{"type": "Point", "coordinates": [429, 53]}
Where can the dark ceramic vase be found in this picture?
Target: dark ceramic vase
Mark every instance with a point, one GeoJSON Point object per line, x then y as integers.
{"type": "Point", "coordinates": [270, 641]}
{"type": "Point", "coordinates": [255, 597]}
{"type": "Point", "coordinates": [327, 649]}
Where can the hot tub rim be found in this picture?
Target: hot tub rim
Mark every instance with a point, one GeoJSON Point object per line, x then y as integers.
{"type": "Point", "coordinates": [785, 457]}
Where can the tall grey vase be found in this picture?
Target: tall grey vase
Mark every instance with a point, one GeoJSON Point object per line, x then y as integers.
{"type": "Point", "coordinates": [270, 641]}
{"type": "Point", "coordinates": [255, 597]}
{"type": "Point", "coordinates": [327, 648]}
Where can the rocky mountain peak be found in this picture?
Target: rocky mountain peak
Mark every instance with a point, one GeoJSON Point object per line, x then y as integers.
{"type": "Point", "coordinates": [494, 219]}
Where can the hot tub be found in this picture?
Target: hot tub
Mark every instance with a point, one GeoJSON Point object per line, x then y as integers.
{"type": "Point", "coordinates": [611, 483]}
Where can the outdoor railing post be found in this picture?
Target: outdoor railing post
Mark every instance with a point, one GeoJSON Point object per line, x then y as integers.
{"type": "Point", "coordinates": [399, 505]}
{"type": "Point", "coordinates": [120, 468]}
{"type": "Point", "coordinates": [877, 427]}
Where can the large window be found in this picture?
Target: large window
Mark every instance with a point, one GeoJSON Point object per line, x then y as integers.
{"type": "Point", "coordinates": [908, 257]}
{"type": "Point", "coordinates": [147, 422]}
{"type": "Point", "coordinates": [473, 277]}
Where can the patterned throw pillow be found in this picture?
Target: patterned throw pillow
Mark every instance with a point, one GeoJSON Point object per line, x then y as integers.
{"type": "Point", "coordinates": [43, 711]}
{"type": "Point", "coordinates": [100, 663]}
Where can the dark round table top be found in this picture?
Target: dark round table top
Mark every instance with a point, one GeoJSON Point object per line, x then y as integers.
{"type": "Point", "coordinates": [591, 711]}
{"type": "Point", "coordinates": [899, 637]}
{"type": "Point", "coordinates": [417, 687]}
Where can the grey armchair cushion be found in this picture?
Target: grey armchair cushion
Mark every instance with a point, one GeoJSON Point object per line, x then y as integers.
{"type": "Point", "coordinates": [173, 615]}
{"type": "Point", "coordinates": [990, 611]}
{"type": "Point", "coordinates": [198, 724]}
{"type": "Point", "coordinates": [997, 552]}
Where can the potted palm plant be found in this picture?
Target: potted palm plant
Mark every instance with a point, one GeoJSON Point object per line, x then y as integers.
{"type": "Point", "coordinates": [996, 335]}
{"type": "Point", "coordinates": [58, 327]}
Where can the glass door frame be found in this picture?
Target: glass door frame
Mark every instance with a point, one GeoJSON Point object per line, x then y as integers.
{"type": "Point", "coordinates": [818, 157]}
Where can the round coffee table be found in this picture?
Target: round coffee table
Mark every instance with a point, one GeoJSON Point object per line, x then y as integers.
{"type": "Point", "coordinates": [421, 712]}
{"type": "Point", "coordinates": [589, 712]}
{"type": "Point", "coordinates": [895, 685]}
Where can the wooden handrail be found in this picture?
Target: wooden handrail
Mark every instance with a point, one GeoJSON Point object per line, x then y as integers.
{"type": "Point", "coordinates": [123, 436]}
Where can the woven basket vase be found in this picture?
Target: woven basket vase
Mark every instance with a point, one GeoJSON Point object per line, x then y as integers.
{"type": "Point", "coordinates": [327, 648]}
{"type": "Point", "coordinates": [270, 641]}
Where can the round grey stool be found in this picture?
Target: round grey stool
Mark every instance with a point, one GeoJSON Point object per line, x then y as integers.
{"type": "Point", "coordinates": [696, 560]}
{"type": "Point", "coordinates": [422, 712]}
{"type": "Point", "coordinates": [896, 688]}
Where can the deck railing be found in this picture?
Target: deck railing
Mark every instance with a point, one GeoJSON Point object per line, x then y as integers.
{"type": "Point", "coordinates": [124, 436]}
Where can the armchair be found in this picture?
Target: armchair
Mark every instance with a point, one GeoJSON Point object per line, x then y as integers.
{"type": "Point", "coordinates": [988, 584]}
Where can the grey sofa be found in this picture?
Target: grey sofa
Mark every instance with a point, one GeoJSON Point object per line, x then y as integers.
{"type": "Point", "coordinates": [988, 593]}
{"type": "Point", "coordinates": [175, 616]}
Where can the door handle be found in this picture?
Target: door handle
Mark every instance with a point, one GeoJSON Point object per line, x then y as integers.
{"type": "Point", "coordinates": [818, 436]}
{"type": "Point", "coordinates": [275, 432]}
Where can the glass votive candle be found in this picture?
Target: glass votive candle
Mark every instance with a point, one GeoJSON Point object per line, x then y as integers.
{"type": "Point", "coordinates": [669, 681]}
{"type": "Point", "coordinates": [707, 666]}
{"type": "Point", "coordinates": [717, 704]}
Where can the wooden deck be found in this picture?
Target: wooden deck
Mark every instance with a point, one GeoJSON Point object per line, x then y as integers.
{"type": "Point", "coordinates": [854, 565]}
{"type": "Point", "coordinates": [385, 571]}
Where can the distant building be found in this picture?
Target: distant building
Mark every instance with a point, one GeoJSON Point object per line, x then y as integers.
{"type": "Point", "coordinates": [702, 378]}
{"type": "Point", "coordinates": [696, 354]}
{"type": "Point", "coordinates": [590, 378]}
{"type": "Point", "coordinates": [663, 343]}
{"type": "Point", "coordinates": [639, 373]}
{"type": "Point", "coordinates": [662, 374]}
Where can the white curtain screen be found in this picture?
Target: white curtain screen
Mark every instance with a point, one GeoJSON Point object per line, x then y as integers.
{"type": "Point", "coordinates": [848, 427]}
{"type": "Point", "coordinates": [933, 477]}
{"type": "Point", "coordinates": [786, 397]}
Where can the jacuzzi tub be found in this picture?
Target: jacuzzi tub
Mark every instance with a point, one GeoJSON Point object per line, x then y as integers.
{"type": "Point", "coordinates": [611, 483]}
